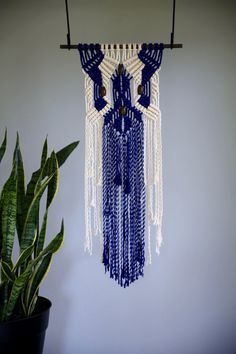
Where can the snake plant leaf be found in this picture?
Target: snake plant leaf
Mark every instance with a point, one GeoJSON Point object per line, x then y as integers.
{"type": "Point", "coordinates": [31, 308]}
{"type": "Point", "coordinates": [2, 152]}
{"type": "Point", "coordinates": [30, 193]}
{"type": "Point", "coordinates": [8, 272]}
{"type": "Point", "coordinates": [62, 155]}
{"type": "Point", "coordinates": [43, 166]}
{"type": "Point", "coordinates": [23, 278]}
{"type": "Point", "coordinates": [42, 172]}
{"type": "Point", "coordinates": [55, 244]}
{"type": "Point", "coordinates": [42, 269]}
{"type": "Point", "coordinates": [20, 189]}
{"type": "Point", "coordinates": [43, 266]}
{"type": "Point", "coordinates": [3, 146]}
{"type": "Point", "coordinates": [1, 201]}
{"type": "Point", "coordinates": [16, 147]}
{"type": "Point", "coordinates": [16, 290]}
{"type": "Point", "coordinates": [34, 184]}
{"type": "Point", "coordinates": [40, 272]}
{"type": "Point", "coordinates": [44, 153]}
{"type": "Point", "coordinates": [53, 185]}
{"type": "Point", "coordinates": [37, 187]}
{"type": "Point", "coordinates": [51, 192]}
{"type": "Point", "coordinates": [22, 301]}
{"type": "Point", "coordinates": [24, 256]}
{"type": "Point", "coordinates": [41, 238]}
{"type": "Point", "coordinates": [30, 225]}
{"type": "Point", "coordinates": [9, 204]}
{"type": "Point", "coordinates": [31, 188]}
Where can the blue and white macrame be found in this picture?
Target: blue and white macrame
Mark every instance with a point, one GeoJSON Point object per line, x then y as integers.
{"type": "Point", "coordinates": [123, 155]}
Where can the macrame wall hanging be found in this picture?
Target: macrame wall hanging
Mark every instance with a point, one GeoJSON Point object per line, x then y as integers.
{"type": "Point", "coordinates": [123, 152]}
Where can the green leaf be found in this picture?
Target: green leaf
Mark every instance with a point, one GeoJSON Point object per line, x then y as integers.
{"type": "Point", "coordinates": [40, 272]}
{"type": "Point", "coordinates": [9, 203]}
{"type": "Point", "coordinates": [30, 191]}
{"type": "Point", "coordinates": [64, 153]}
{"type": "Point", "coordinates": [32, 305]}
{"type": "Point", "coordinates": [30, 226]}
{"type": "Point", "coordinates": [35, 183]}
{"type": "Point", "coordinates": [42, 234]}
{"type": "Point", "coordinates": [17, 288]}
{"type": "Point", "coordinates": [22, 280]}
{"type": "Point", "coordinates": [44, 153]}
{"type": "Point", "coordinates": [8, 272]}
{"type": "Point", "coordinates": [42, 269]}
{"type": "Point", "coordinates": [3, 146]}
{"type": "Point", "coordinates": [24, 256]}
{"type": "Point", "coordinates": [23, 302]}
{"type": "Point", "coordinates": [42, 172]}
{"type": "Point", "coordinates": [55, 244]}
{"type": "Point", "coordinates": [20, 189]}
{"type": "Point", "coordinates": [33, 186]}
{"type": "Point", "coordinates": [2, 152]}
{"type": "Point", "coordinates": [53, 185]}
{"type": "Point", "coordinates": [52, 190]}
{"type": "Point", "coordinates": [1, 201]}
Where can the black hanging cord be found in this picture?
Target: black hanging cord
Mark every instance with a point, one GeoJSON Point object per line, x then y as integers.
{"type": "Point", "coordinates": [68, 26]}
{"type": "Point", "coordinates": [170, 45]}
{"type": "Point", "coordinates": [172, 35]}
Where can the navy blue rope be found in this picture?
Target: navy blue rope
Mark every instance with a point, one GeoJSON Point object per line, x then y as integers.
{"type": "Point", "coordinates": [151, 58]}
{"type": "Point", "coordinates": [123, 164]}
{"type": "Point", "coordinates": [127, 160]}
{"type": "Point", "coordinates": [91, 57]}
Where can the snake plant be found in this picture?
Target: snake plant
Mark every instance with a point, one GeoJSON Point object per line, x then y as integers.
{"type": "Point", "coordinates": [20, 222]}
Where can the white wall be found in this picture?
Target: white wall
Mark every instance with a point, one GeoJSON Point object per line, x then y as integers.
{"type": "Point", "coordinates": [186, 301]}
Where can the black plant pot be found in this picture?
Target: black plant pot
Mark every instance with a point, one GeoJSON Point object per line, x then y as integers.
{"type": "Point", "coordinates": [26, 335]}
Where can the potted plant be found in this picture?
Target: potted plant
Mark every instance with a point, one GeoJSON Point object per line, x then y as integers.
{"type": "Point", "coordinates": [23, 313]}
